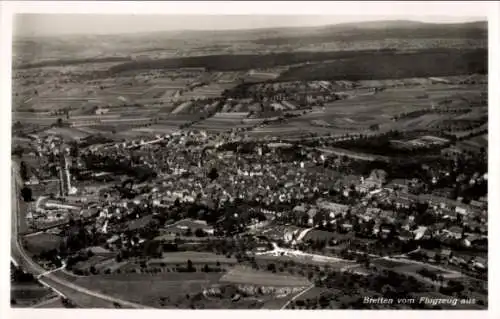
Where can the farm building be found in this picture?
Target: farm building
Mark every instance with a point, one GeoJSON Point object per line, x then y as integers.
{"type": "Point", "coordinates": [184, 106]}
{"type": "Point", "coordinates": [277, 106]}
{"type": "Point", "coordinates": [333, 208]}
{"type": "Point", "coordinates": [181, 227]}
{"type": "Point", "coordinates": [289, 105]}
{"type": "Point", "coordinates": [435, 80]}
{"type": "Point", "coordinates": [375, 181]}
{"type": "Point", "coordinates": [101, 111]}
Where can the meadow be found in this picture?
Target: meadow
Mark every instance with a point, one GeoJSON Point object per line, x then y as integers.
{"type": "Point", "coordinates": [246, 275]}
{"type": "Point", "coordinates": [42, 242]}
{"type": "Point", "coordinates": [181, 258]}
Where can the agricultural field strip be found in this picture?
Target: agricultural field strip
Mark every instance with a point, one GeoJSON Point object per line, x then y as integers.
{"type": "Point", "coordinates": [252, 277]}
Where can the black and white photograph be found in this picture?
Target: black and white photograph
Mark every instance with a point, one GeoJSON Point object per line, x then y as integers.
{"type": "Point", "coordinates": [249, 161]}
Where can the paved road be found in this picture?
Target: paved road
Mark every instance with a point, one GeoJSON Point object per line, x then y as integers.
{"type": "Point", "coordinates": [20, 257]}
{"type": "Point", "coordinates": [297, 296]}
{"type": "Point", "coordinates": [46, 302]}
{"type": "Point", "coordinates": [377, 257]}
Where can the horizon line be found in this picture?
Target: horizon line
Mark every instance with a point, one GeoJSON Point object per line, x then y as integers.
{"type": "Point", "coordinates": [305, 26]}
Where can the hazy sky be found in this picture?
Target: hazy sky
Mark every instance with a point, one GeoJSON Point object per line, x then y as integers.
{"type": "Point", "coordinates": [62, 24]}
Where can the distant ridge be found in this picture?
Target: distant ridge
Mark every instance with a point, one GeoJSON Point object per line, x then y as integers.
{"type": "Point", "coordinates": [379, 30]}
{"type": "Point", "coordinates": [295, 30]}
{"type": "Point", "coordinates": [403, 24]}
{"type": "Point", "coordinates": [339, 27]}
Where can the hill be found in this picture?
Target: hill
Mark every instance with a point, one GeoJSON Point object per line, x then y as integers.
{"type": "Point", "coordinates": [426, 63]}
{"type": "Point", "coordinates": [380, 30]}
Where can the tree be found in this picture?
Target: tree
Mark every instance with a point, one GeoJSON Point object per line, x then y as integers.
{"type": "Point", "coordinates": [199, 232]}
{"type": "Point", "coordinates": [18, 151]}
{"type": "Point", "coordinates": [310, 275]}
{"type": "Point", "coordinates": [27, 194]}
{"type": "Point", "coordinates": [67, 303]}
{"type": "Point", "coordinates": [271, 267]}
{"type": "Point", "coordinates": [213, 174]}
{"type": "Point", "coordinates": [23, 171]}
{"type": "Point", "coordinates": [190, 267]}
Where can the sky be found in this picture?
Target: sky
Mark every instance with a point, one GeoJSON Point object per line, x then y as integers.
{"type": "Point", "coordinates": [67, 24]}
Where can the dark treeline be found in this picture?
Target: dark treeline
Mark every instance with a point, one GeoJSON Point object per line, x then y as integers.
{"type": "Point", "coordinates": [128, 167]}
{"type": "Point", "coordinates": [383, 145]}
{"type": "Point", "coordinates": [354, 65]}
{"type": "Point", "coordinates": [227, 62]}
{"type": "Point", "coordinates": [19, 276]}
{"type": "Point", "coordinates": [380, 34]}
{"type": "Point", "coordinates": [391, 65]}
{"type": "Point", "coordinates": [62, 62]}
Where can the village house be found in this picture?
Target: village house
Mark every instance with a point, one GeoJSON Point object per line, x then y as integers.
{"type": "Point", "coordinates": [478, 204]}
{"type": "Point", "coordinates": [402, 185]}
{"type": "Point", "coordinates": [100, 111]}
{"type": "Point", "coordinates": [333, 209]}
{"type": "Point", "coordinates": [422, 232]}
{"type": "Point", "coordinates": [346, 227]}
{"type": "Point", "coordinates": [403, 202]}
{"type": "Point", "coordinates": [445, 255]}
{"type": "Point", "coordinates": [405, 235]}
{"type": "Point", "coordinates": [479, 263]}
{"type": "Point", "coordinates": [454, 232]}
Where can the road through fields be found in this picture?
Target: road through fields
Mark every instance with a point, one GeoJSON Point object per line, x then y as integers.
{"type": "Point", "coordinates": [50, 279]}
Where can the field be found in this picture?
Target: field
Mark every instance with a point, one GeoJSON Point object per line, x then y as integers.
{"type": "Point", "coordinates": [476, 142]}
{"type": "Point", "coordinates": [39, 243]}
{"type": "Point", "coordinates": [223, 122]}
{"type": "Point", "coordinates": [206, 91]}
{"type": "Point", "coordinates": [261, 76]}
{"type": "Point", "coordinates": [410, 267]}
{"type": "Point", "coordinates": [169, 290]}
{"type": "Point", "coordinates": [179, 228]}
{"type": "Point", "coordinates": [296, 128]}
{"type": "Point", "coordinates": [99, 262]}
{"type": "Point", "coordinates": [331, 262]}
{"type": "Point", "coordinates": [195, 257]}
{"type": "Point", "coordinates": [246, 275]}
{"type": "Point", "coordinates": [314, 293]}
{"type": "Point", "coordinates": [67, 133]}
{"type": "Point", "coordinates": [28, 294]}
{"type": "Point", "coordinates": [90, 130]}
{"type": "Point", "coordinates": [55, 303]}
{"type": "Point", "coordinates": [389, 263]}
{"type": "Point", "coordinates": [360, 112]}
{"type": "Point", "coordinates": [148, 290]}
{"type": "Point", "coordinates": [324, 235]}
{"type": "Point", "coordinates": [167, 124]}
{"type": "Point", "coordinates": [154, 129]}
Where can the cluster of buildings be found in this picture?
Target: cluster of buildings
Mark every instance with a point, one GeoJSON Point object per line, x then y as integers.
{"type": "Point", "coordinates": [291, 186]}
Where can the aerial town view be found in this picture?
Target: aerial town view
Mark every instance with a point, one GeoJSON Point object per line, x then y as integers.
{"type": "Point", "coordinates": [342, 166]}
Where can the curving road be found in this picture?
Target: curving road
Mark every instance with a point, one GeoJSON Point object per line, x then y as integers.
{"type": "Point", "coordinates": [61, 285]}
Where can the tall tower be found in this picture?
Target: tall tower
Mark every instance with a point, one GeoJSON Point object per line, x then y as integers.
{"type": "Point", "coordinates": [67, 174]}
{"type": "Point", "coordinates": [61, 182]}
{"type": "Point", "coordinates": [64, 175]}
